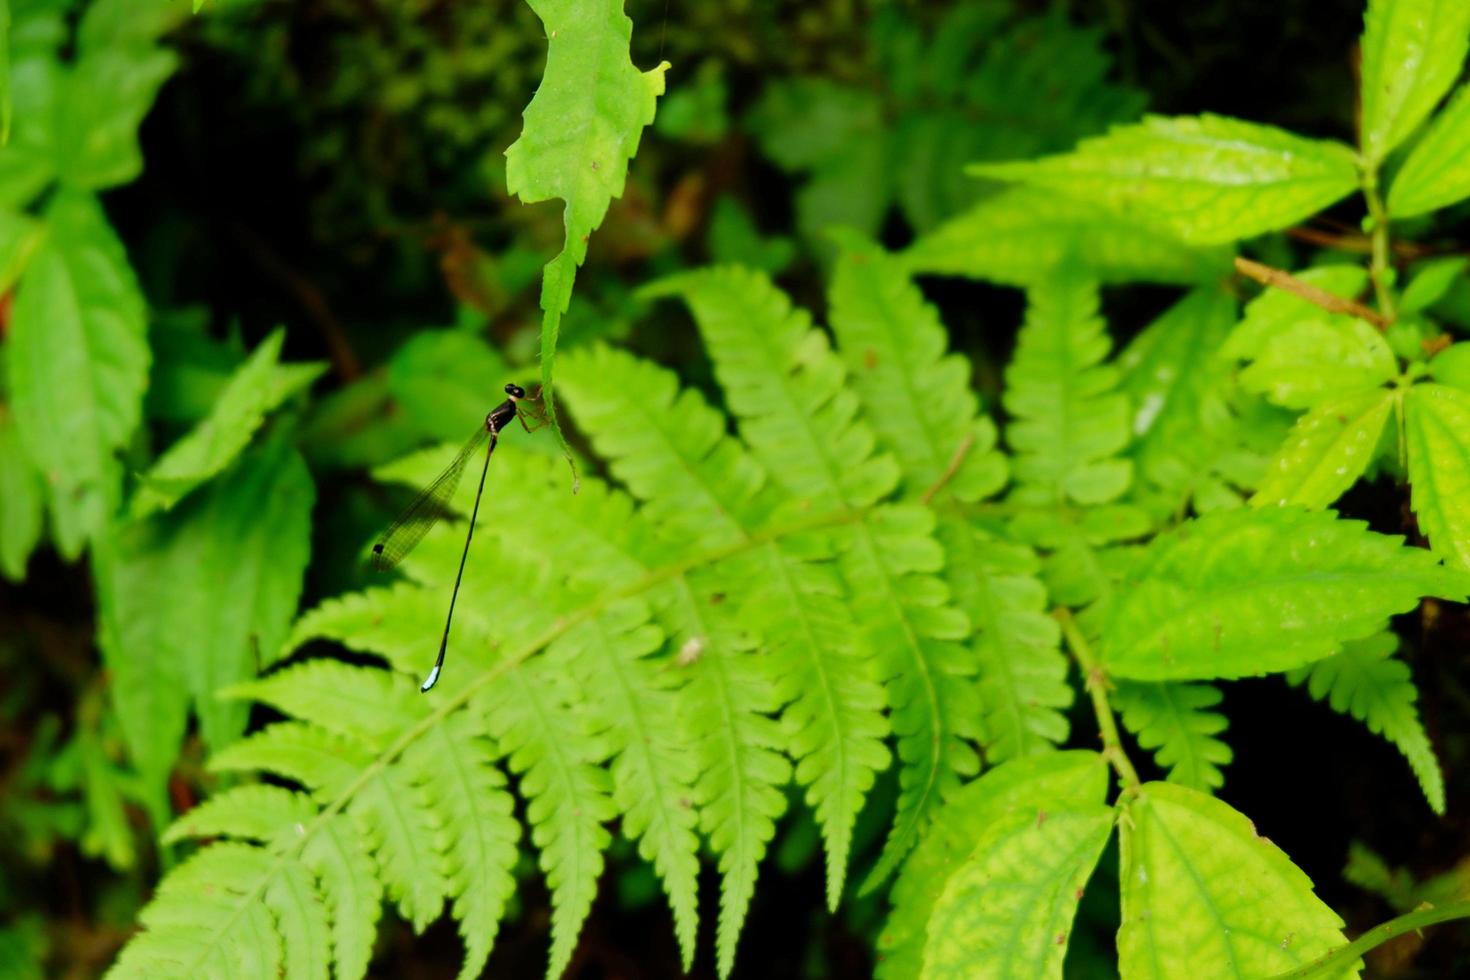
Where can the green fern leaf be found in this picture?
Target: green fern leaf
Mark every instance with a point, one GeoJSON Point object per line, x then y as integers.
{"type": "Point", "coordinates": [371, 705]}
{"type": "Point", "coordinates": [337, 855]}
{"type": "Point", "coordinates": [1069, 423]}
{"type": "Point", "coordinates": [255, 812]}
{"type": "Point", "coordinates": [1023, 686]}
{"type": "Point", "coordinates": [1328, 449]}
{"type": "Point", "coordinates": [1172, 721]}
{"type": "Point", "coordinates": [592, 91]}
{"type": "Point", "coordinates": [917, 398]}
{"type": "Point", "coordinates": [1249, 592]}
{"type": "Point", "coordinates": [787, 389]}
{"type": "Point", "coordinates": [700, 486]}
{"type": "Point", "coordinates": [1365, 680]}
{"type": "Point", "coordinates": [632, 704]}
{"type": "Point", "coordinates": [1209, 179]}
{"type": "Point", "coordinates": [478, 834]}
{"type": "Point", "coordinates": [1437, 436]}
{"type": "Point", "coordinates": [398, 822]}
{"type": "Point", "coordinates": [232, 910]}
{"type": "Point", "coordinates": [569, 798]}
{"type": "Point", "coordinates": [1018, 236]}
{"type": "Point", "coordinates": [1020, 786]}
{"type": "Point", "coordinates": [320, 760]}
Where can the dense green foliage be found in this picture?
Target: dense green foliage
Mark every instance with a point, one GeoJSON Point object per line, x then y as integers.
{"type": "Point", "coordinates": [848, 644]}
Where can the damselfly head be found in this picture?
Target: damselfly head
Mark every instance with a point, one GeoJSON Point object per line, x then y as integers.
{"type": "Point", "coordinates": [516, 392]}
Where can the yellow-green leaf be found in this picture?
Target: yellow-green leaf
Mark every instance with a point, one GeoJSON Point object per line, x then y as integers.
{"type": "Point", "coordinates": [1205, 895]}
{"type": "Point", "coordinates": [1412, 53]}
{"type": "Point", "coordinates": [1316, 359]}
{"type": "Point", "coordinates": [1437, 171]}
{"type": "Point", "coordinates": [1209, 179]}
{"type": "Point", "coordinates": [1007, 911]}
{"type": "Point", "coordinates": [1437, 430]}
{"type": "Point", "coordinates": [1327, 450]}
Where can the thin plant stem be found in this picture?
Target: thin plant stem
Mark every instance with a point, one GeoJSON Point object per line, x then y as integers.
{"type": "Point", "coordinates": [1096, 683]}
{"type": "Point", "coordinates": [1378, 268]}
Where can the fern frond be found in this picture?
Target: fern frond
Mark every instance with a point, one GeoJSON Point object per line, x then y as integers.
{"type": "Point", "coordinates": [224, 912]}
{"type": "Point", "coordinates": [1365, 680]}
{"type": "Point", "coordinates": [345, 872]}
{"type": "Point", "coordinates": [255, 812]}
{"type": "Point", "coordinates": [568, 797]}
{"type": "Point", "coordinates": [1172, 720]}
{"type": "Point", "coordinates": [478, 835]}
{"type": "Point", "coordinates": [1023, 686]}
{"type": "Point", "coordinates": [1069, 422]}
{"type": "Point", "coordinates": [631, 701]}
{"type": "Point", "coordinates": [370, 705]}
{"type": "Point", "coordinates": [322, 761]}
{"type": "Point", "coordinates": [785, 387]}
{"type": "Point", "coordinates": [916, 396]}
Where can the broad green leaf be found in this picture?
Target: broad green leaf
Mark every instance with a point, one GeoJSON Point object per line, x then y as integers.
{"type": "Point", "coordinates": [78, 364]}
{"type": "Point", "coordinates": [1413, 51]}
{"type": "Point", "coordinates": [1171, 720]}
{"type": "Point", "coordinates": [581, 129]}
{"type": "Point", "coordinates": [1206, 896]}
{"type": "Point", "coordinates": [27, 164]}
{"type": "Point", "coordinates": [1015, 237]}
{"type": "Point", "coordinates": [446, 380]}
{"type": "Point", "coordinates": [1209, 179]}
{"type": "Point", "coordinates": [1437, 171]}
{"type": "Point", "coordinates": [1316, 359]}
{"type": "Point", "coordinates": [1365, 680]}
{"type": "Point", "coordinates": [1006, 912]}
{"type": "Point", "coordinates": [230, 560]}
{"type": "Point", "coordinates": [1070, 780]}
{"type": "Point", "coordinates": [19, 236]}
{"type": "Point", "coordinates": [1246, 592]}
{"type": "Point", "coordinates": [1068, 422]}
{"type": "Point", "coordinates": [1437, 433]}
{"type": "Point", "coordinates": [106, 96]}
{"type": "Point", "coordinates": [1328, 449]}
{"type": "Point", "coordinates": [21, 501]}
{"type": "Point", "coordinates": [257, 388]}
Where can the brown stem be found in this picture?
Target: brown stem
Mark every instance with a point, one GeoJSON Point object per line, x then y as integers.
{"type": "Point", "coordinates": [1280, 279]}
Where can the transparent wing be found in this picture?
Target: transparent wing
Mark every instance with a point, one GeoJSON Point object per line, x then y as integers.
{"type": "Point", "coordinates": [431, 505]}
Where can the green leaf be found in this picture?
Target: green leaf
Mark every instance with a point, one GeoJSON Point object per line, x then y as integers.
{"type": "Point", "coordinates": [1437, 171]}
{"type": "Point", "coordinates": [1365, 680]}
{"type": "Point", "coordinates": [1170, 720]}
{"type": "Point", "coordinates": [1432, 280]}
{"type": "Point", "coordinates": [917, 396]}
{"type": "Point", "coordinates": [1209, 179]}
{"type": "Point", "coordinates": [440, 379]}
{"type": "Point", "coordinates": [106, 95]}
{"type": "Point", "coordinates": [231, 560]}
{"type": "Point", "coordinates": [1205, 895]}
{"type": "Point", "coordinates": [1451, 366]}
{"type": "Point", "coordinates": [1328, 449]}
{"type": "Point", "coordinates": [1055, 780]}
{"type": "Point", "coordinates": [581, 129]}
{"type": "Point", "coordinates": [1068, 421]}
{"type": "Point", "coordinates": [1246, 592]}
{"type": "Point", "coordinates": [7, 107]}
{"type": "Point", "coordinates": [27, 165]}
{"type": "Point", "coordinates": [78, 362]}
{"type": "Point", "coordinates": [1314, 360]}
{"type": "Point", "coordinates": [336, 854]}
{"type": "Point", "coordinates": [21, 501]}
{"type": "Point", "coordinates": [254, 391]}
{"type": "Point", "coordinates": [1017, 236]}
{"type": "Point", "coordinates": [1007, 910]}
{"type": "Point", "coordinates": [257, 811]}
{"type": "Point", "coordinates": [1413, 51]}
{"type": "Point", "coordinates": [1437, 434]}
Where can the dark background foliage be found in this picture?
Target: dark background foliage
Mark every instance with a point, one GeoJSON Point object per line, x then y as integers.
{"type": "Point", "coordinates": [335, 166]}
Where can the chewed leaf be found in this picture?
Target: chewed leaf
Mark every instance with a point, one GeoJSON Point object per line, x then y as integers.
{"type": "Point", "coordinates": [592, 91]}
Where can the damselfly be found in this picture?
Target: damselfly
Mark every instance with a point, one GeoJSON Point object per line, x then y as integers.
{"type": "Point", "coordinates": [432, 504]}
